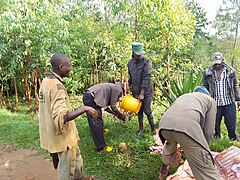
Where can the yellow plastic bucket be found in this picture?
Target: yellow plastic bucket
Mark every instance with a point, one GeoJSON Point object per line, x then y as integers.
{"type": "Point", "coordinates": [130, 103]}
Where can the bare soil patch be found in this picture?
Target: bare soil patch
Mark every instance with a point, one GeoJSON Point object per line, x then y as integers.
{"type": "Point", "coordinates": [24, 164]}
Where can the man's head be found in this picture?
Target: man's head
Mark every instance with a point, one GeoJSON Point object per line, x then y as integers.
{"type": "Point", "coordinates": [61, 64]}
{"type": "Point", "coordinates": [217, 60]}
{"type": "Point", "coordinates": [201, 89]}
{"type": "Point", "coordinates": [121, 85]}
{"type": "Point", "coordinates": [137, 50]}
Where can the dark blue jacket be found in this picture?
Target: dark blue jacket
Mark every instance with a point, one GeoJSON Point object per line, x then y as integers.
{"type": "Point", "coordinates": [209, 79]}
{"type": "Point", "coordinates": [140, 76]}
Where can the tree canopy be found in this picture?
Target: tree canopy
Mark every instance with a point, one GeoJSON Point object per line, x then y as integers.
{"type": "Point", "coordinates": [97, 36]}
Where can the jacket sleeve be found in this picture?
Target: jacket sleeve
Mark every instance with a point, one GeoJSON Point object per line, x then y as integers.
{"type": "Point", "coordinates": [210, 118]}
{"type": "Point", "coordinates": [146, 75]}
{"type": "Point", "coordinates": [129, 75]}
{"type": "Point", "coordinates": [236, 88]}
{"type": "Point", "coordinates": [59, 109]}
{"type": "Point", "coordinates": [205, 82]}
{"type": "Point", "coordinates": [114, 96]}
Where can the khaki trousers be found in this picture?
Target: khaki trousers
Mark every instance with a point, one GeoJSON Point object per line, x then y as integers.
{"type": "Point", "coordinates": [70, 164]}
{"type": "Point", "coordinates": [199, 159]}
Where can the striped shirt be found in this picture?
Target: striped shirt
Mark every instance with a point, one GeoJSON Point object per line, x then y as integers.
{"type": "Point", "coordinates": [221, 91]}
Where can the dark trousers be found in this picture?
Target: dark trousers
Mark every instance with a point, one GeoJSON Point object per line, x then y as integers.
{"type": "Point", "coordinates": [229, 114]}
{"type": "Point", "coordinates": [146, 108]}
{"type": "Point", "coordinates": [96, 126]}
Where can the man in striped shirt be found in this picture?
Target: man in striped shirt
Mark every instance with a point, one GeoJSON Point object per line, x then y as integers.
{"type": "Point", "coordinates": [221, 81]}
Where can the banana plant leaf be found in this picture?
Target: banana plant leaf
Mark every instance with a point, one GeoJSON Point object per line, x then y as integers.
{"type": "Point", "coordinates": [179, 86]}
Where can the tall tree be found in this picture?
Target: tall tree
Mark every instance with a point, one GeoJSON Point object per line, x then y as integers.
{"type": "Point", "coordinates": [227, 25]}
{"type": "Point", "coordinates": [168, 28]}
{"type": "Point", "coordinates": [202, 49]}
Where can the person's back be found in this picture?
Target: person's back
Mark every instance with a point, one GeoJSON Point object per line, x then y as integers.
{"type": "Point", "coordinates": [189, 122]}
{"type": "Point", "coordinates": [188, 113]}
{"type": "Point", "coordinates": [106, 94]}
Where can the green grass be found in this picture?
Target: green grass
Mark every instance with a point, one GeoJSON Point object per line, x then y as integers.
{"type": "Point", "coordinates": [21, 130]}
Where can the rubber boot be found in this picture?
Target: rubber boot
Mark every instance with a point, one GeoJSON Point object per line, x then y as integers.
{"type": "Point", "coordinates": [153, 129]}
{"type": "Point", "coordinates": [140, 131]}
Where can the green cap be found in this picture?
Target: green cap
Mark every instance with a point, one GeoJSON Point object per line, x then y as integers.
{"type": "Point", "coordinates": [137, 48]}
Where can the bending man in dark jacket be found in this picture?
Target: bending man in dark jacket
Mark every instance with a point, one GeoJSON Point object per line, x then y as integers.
{"type": "Point", "coordinates": [140, 83]}
{"type": "Point", "coordinates": [190, 122]}
{"type": "Point", "coordinates": [102, 96]}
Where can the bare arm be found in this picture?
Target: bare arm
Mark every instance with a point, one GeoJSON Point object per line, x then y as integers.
{"type": "Point", "coordinates": [74, 114]}
{"type": "Point", "coordinates": [116, 113]}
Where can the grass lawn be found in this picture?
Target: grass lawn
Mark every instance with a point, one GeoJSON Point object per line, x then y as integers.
{"type": "Point", "coordinates": [21, 130]}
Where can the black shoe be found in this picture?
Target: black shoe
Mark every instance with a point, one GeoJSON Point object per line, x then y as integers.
{"type": "Point", "coordinates": [235, 139]}
{"type": "Point", "coordinates": [154, 132]}
{"type": "Point", "coordinates": [139, 133]}
{"type": "Point", "coordinates": [217, 136]}
{"type": "Point", "coordinates": [153, 129]}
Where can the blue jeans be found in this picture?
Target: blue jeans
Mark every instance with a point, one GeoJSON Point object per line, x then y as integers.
{"type": "Point", "coordinates": [229, 114]}
{"type": "Point", "coordinates": [70, 164]}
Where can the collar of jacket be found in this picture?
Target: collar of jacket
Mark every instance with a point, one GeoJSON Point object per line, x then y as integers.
{"type": "Point", "coordinates": [52, 74]}
{"type": "Point", "coordinates": [137, 61]}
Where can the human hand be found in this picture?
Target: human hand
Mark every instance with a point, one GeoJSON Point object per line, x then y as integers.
{"type": "Point", "coordinates": [121, 117]}
{"type": "Point", "coordinates": [141, 97]}
{"type": "Point", "coordinates": [238, 105]}
{"type": "Point", "coordinates": [127, 91]}
{"type": "Point", "coordinates": [92, 112]}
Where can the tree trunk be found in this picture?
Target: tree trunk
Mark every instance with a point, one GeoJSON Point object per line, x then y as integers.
{"type": "Point", "coordinates": [39, 79]}
{"type": "Point", "coordinates": [36, 90]}
{"type": "Point", "coordinates": [16, 92]}
{"type": "Point", "coordinates": [2, 102]}
{"type": "Point", "coordinates": [234, 64]}
{"type": "Point", "coordinates": [27, 87]}
{"type": "Point", "coordinates": [37, 84]}
{"type": "Point", "coordinates": [9, 105]}
{"type": "Point", "coordinates": [136, 28]}
{"type": "Point", "coordinates": [168, 74]}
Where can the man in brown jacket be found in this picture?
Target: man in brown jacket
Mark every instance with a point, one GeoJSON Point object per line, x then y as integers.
{"type": "Point", "coordinates": [190, 121]}
{"type": "Point", "coordinates": [58, 132]}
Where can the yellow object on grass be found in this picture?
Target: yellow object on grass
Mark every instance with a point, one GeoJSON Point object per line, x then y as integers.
{"type": "Point", "coordinates": [109, 148]}
{"type": "Point", "coordinates": [105, 130]}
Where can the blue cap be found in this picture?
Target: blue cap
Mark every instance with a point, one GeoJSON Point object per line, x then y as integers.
{"type": "Point", "coordinates": [201, 89]}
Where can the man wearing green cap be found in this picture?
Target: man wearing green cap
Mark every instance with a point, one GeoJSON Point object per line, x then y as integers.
{"type": "Point", "coordinates": [140, 83]}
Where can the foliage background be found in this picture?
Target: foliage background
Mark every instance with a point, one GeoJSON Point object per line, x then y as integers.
{"type": "Point", "coordinates": [97, 36]}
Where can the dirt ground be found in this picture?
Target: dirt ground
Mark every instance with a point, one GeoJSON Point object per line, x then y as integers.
{"type": "Point", "coordinates": [24, 164]}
